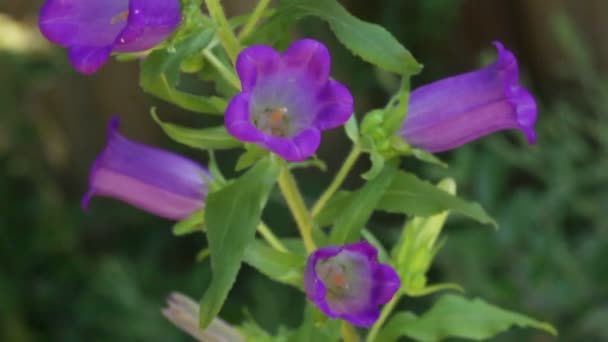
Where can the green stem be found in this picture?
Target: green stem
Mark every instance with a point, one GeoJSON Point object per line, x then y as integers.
{"type": "Point", "coordinates": [253, 20]}
{"type": "Point", "coordinates": [386, 311]}
{"type": "Point", "coordinates": [295, 202]}
{"type": "Point", "coordinates": [338, 180]}
{"type": "Point", "coordinates": [225, 33]}
{"type": "Point", "coordinates": [269, 236]}
{"type": "Point", "coordinates": [228, 74]}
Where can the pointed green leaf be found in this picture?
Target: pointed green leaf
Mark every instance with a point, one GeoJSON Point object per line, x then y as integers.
{"type": "Point", "coordinates": [160, 71]}
{"type": "Point", "coordinates": [371, 42]}
{"type": "Point", "coordinates": [456, 316]}
{"type": "Point", "coordinates": [428, 157]}
{"type": "Point", "coordinates": [191, 224]}
{"type": "Point", "coordinates": [284, 267]}
{"type": "Point", "coordinates": [410, 195]}
{"type": "Point", "coordinates": [252, 154]}
{"type": "Point", "coordinates": [231, 216]}
{"type": "Point", "coordinates": [352, 219]}
{"type": "Point", "coordinates": [212, 138]}
{"type": "Point", "coordinates": [352, 129]}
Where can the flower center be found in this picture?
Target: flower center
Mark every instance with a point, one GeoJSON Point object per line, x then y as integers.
{"type": "Point", "coordinates": [334, 276]}
{"type": "Point", "coordinates": [122, 16]}
{"type": "Point", "coordinates": [274, 121]}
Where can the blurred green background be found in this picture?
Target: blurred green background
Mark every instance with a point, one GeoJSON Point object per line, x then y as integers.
{"type": "Point", "coordinates": [66, 275]}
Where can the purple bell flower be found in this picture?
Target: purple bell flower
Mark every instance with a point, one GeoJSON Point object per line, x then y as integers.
{"type": "Point", "coordinates": [287, 99]}
{"type": "Point", "coordinates": [92, 29]}
{"type": "Point", "coordinates": [456, 110]}
{"type": "Point", "coordinates": [347, 282]}
{"type": "Point", "coordinates": [159, 182]}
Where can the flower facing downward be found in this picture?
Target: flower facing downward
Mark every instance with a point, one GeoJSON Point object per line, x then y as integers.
{"type": "Point", "coordinates": [347, 282]}
{"type": "Point", "coordinates": [456, 110]}
{"type": "Point", "coordinates": [157, 181]}
{"type": "Point", "coordinates": [92, 29]}
{"type": "Point", "coordinates": [287, 99]}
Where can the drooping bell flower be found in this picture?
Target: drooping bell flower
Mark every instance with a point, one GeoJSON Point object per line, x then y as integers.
{"type": "Point", "coordinates": [287, 99]}
{"type": "Point", "coordinates": [93, 29]}
{"type": "Point", "coordinates": [159, 182]}
{"type": "Point", "coordinates": [348, 282]}
{"type": "Point", "coordinates": [456, 110]}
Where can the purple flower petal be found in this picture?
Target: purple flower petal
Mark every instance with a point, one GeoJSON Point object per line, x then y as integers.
{"type": "Point", "coordinates": [387, 285]}
{"type": "Point", "coordinates": [456, 110]}
{"type": "Point", "coordinates": [256, 62]}
{"type": "Point", "coordinates": [88, 60]}
{"type": "Point", "coordinates": [157, 181]}
{"type": "Point", "coordinates": [287, 99]}
{"type": "Point", "coordinates": [149, 23]}
{"type": "Point", "coordinates": [336, 108]}
{"type": "Point", "coordinates": [309, 57]}
{"type": "Point", "coordinates": [347, 282]}
{"type": "Point", "coordinates": [297, 148]}
{"type": "Point", "coordinates": [238, 122]}
{"type": "Point", "coordinates": [92, 29]}
{"type": "Point", "coordinates": [91, 23]}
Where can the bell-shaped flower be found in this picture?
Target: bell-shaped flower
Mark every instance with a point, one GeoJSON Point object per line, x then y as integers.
{"type": "Point", "coordinates": [287, 99]}
{"type": "Point", "coordinates": [93, 29]}
{"type": "Point", "coordinates": [456, 110]}
{"type": "Point", "coordinates": [348, 282]}
{"type": "Point", "coordinates": [154, 180]}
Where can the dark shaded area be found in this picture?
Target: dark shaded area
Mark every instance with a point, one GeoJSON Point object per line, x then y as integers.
{"type": "Point", "coordinates": [66, 275]}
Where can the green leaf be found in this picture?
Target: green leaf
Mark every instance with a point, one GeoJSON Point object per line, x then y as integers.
{"type": "Point", "coordinates": [212, 138]}
{"type": "Point", "coordinates": [231, 216]}
{"type": "Point", "coordinates": [456, 316]}
{"type": "Point", "coordinates": [428, 157]}
{"type": "Point", "coordinates": [352, 129]}
{"type": "Point", "coordinates": [191, 224]}
{"type": "Point", "coordinates": [351, 221]}
{"type": "Point", "coordinates": [252, 154]}
{"type": "Point", "coordinates": [410, 195]}
{"type": "Point", "coordinates": [371, 42]}
{"type": "Point", "coordinates": [160, 71]}
{"type": "Point", "coordinates": [283, 267]}
{"type": "Point", "coordinates": [312, 162]}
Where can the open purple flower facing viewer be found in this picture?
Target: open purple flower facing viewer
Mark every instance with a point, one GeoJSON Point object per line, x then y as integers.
{"type": "Point", "coordinates": [159, 182]}
{"type": "Point", "coordinates": [348, 282]}
{"type": "Point", "coordinates": [287, 99]}
{"type": "Point", "coordinates": [456, 110]}
{"type": "Point", "coordinates": [93, 29]}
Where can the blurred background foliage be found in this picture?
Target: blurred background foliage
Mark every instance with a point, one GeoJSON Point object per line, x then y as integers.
{"type": "Point", "coordinates": [66, 275]}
